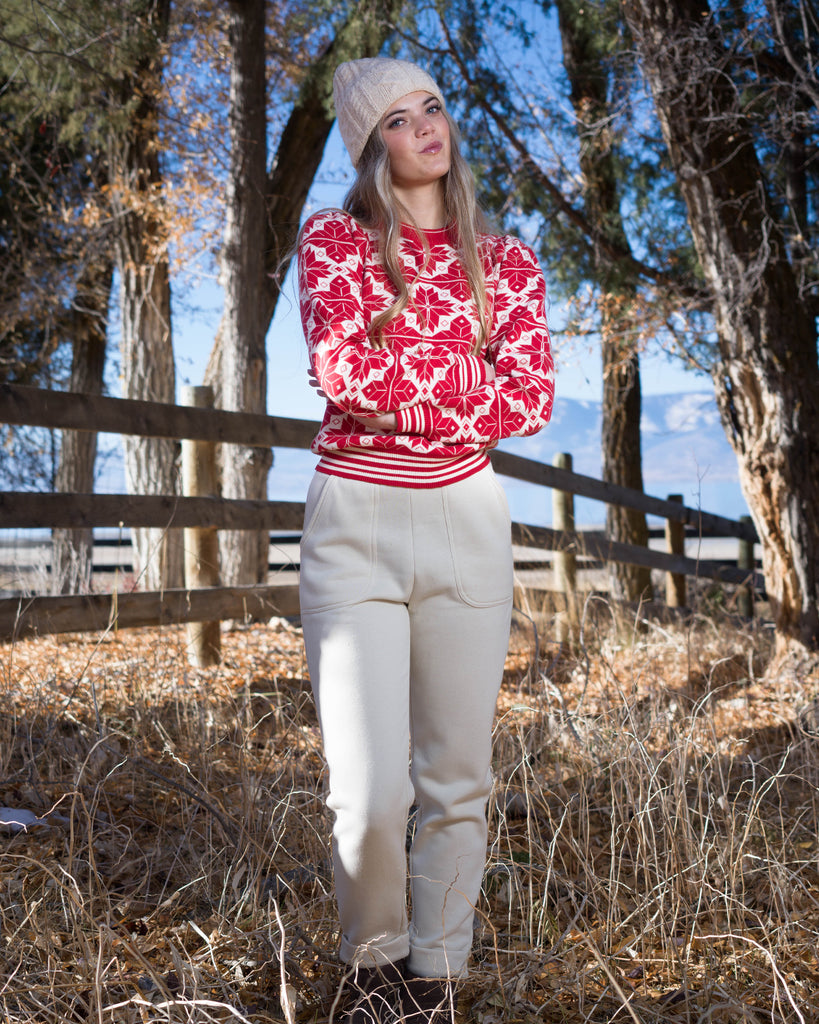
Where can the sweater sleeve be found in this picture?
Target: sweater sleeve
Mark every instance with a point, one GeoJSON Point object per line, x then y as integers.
{"type": "Point", "coordinates": [353, 375]}
{"type": "Point", "coordinates": [519, 401]}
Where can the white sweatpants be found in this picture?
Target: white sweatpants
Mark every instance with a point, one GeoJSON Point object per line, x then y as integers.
{"type": "Point", "coordinates": [406, 598]}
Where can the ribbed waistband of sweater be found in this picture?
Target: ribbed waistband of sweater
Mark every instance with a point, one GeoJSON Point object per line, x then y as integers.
{"type": "Point", "coordinates": [397, 469]}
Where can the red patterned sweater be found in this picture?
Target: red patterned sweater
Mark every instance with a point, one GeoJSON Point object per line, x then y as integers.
{"type": "Point", "coordinates": [448, 414]}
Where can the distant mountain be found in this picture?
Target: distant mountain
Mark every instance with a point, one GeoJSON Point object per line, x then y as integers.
{"type": "Point", "coordinates": [685, 451]}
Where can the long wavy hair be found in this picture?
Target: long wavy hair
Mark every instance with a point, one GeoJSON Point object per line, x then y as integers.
{"type": "Point", "coordinates": [372, 201]}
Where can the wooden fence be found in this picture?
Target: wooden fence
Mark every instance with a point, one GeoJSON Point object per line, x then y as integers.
{"type": "Point", "coordinates": [41, 614]}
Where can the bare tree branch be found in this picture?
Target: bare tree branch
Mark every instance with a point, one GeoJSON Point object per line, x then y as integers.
{"type": "Point", "coordinates": [597, 238]}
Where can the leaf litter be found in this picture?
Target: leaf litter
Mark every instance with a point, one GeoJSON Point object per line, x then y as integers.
{"type": "Point", "coordinates": [653, 849]}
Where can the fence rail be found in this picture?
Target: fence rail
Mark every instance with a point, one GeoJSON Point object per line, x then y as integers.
{"type": "Point", "coordinates": [81, 613]}
{"type": "Point", "coordinates": [20, 509]}
{"type": "Point", "coordinates": [69, 411]}
{"type": "Point", "coordinates": [66, 410]}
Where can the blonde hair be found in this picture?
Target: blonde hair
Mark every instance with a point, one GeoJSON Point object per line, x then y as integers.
{"type": "Point", "coordinates": [373, 203]}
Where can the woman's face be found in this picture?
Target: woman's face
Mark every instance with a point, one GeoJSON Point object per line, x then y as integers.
{"type": "Point", "coordinates": [416, 134]}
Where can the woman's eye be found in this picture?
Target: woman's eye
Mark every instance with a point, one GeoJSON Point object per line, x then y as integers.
{"type": "Point", "coordinates": [394, 122]}
{"type": "Point", "coordinates": [433, 108]}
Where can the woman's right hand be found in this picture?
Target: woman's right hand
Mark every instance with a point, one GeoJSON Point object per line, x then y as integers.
{"type": "Point", "coordinates": [314, 382]}
{"type": "Point", "coordinates": [380, 423]}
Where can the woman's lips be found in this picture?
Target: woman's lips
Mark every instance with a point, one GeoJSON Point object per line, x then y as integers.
{"type": "Point", "coordinates": [433, 147]}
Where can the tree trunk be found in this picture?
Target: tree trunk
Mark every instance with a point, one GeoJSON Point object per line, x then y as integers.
{"type": "Point", "coordinates": [584, 35]}
{"type": "Point", "coordinates": [622, 462]}
{"type": "Point", "coordinates": [145, 301]}
{"type": "Point", "coordinates": [148, 374]}
{"type": "Point", "coordinates": [72, 550]}
{"type": "Point", "coordinates": [243, 553]}
{"type": "Point", "coordinates": [767, 380]}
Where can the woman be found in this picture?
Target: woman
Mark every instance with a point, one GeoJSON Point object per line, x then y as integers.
{"type": "Point", "coordinates": [428, 338]}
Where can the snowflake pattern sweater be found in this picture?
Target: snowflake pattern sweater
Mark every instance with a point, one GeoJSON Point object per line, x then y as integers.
{"type": "Point", "coordinates": [448, 413]}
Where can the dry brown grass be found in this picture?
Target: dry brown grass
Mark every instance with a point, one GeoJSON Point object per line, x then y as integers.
{"type": "Point", "coordinates": [653, 852]}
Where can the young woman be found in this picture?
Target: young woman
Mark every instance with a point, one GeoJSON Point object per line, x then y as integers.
{"type": "Point", "coordinates": [428, 338]}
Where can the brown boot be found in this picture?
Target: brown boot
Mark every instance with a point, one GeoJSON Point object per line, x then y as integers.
{"type": "Point", "coordinates": [373, 992]}
{"type": "Point", "coordinates": [427, 1000]}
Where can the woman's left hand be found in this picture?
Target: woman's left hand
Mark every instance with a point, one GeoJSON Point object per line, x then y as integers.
{"type": "Point", "coordinates": [382, 423]}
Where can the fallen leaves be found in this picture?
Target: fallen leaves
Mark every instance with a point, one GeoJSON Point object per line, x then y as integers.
{"type": "Point", "coordinates": [652, 834]}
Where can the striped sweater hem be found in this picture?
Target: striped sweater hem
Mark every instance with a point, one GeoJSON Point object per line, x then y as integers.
{"type": "Point", "coordinates": [397, 470]}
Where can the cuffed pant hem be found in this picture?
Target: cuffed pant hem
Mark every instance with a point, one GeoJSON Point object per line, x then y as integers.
{"type": "Point", "coordinates": [374, 954]}
{"type": "Point", "coordinates": [433, 963]}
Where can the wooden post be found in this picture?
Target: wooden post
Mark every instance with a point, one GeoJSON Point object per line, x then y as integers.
{"type": "Point", "coordinates": [745, 560]}
{"type": "Point", "coordinates": [201, 544]}
{"type": "Point", "coordinates": [675, 596]}
{"type": "Point", "coordinates": [565, 562]}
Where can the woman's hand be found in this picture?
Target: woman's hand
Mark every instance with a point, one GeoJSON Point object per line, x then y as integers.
{"type": "Point", "coordinates": [381, 423]}
{"type": "Point", "coordinates": [314, 381]}
{"type": "Point", "coordinates": [489, 371]}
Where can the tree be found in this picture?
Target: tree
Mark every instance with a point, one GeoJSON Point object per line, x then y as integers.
{"type": "Point", "coordinates": [242, 335]}
{"type": "Point", "coordinates": [141, 247]}
{"type": "Point", "coordinates": [587, 37]}
{"type": "Point", "coordinates": [46, 170]}
{"type": "Point", "coordinates": [72, 549]}
{"type": "Point", "coordinates": [736, 98]}
{"type": "Point", "coordinates": [86, 189]}
{"type": "Point", "coordinates": [55, 270]}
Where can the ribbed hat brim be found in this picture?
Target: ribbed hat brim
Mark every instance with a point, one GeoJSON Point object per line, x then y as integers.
{"type": "Point", "coordinates": [364, 89]}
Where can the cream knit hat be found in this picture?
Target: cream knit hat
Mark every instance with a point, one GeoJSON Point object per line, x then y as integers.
{"type": "Point", "coordinates": [363, 89]}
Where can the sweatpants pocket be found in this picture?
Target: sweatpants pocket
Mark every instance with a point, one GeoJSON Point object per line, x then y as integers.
{"type": "Point", "coordinates": [479, 528]}
{"type": "Point", "coordinates": [337, 546]}
{"type": "Point", "coordinates": [319, 486]}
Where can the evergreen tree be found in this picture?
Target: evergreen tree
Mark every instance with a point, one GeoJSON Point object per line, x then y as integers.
{"type": "Point", "coordinates": [735, 89]}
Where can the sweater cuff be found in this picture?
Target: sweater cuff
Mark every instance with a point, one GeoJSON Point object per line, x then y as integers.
{"type": "Point", "coordinates": [472, 372]}
{"type": "Point", "coordinates": [414, 419]}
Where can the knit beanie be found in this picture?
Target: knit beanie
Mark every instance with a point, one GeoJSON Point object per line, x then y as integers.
{"type": "Point", "coordinates": [364, 89]}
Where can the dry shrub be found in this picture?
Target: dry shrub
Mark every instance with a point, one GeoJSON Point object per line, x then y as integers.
{"type": "Point", "coordinates": [653, 849]}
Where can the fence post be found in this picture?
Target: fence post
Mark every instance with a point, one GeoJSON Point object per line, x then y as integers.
{"type": "Point", "coordinates": [199, 480]}
{"type": "Point", "coordinates": [675, 596]}
{"type": "Point", "coordinates": [565, 562]}
{"type": "Point", "coordinates": [745, 560]}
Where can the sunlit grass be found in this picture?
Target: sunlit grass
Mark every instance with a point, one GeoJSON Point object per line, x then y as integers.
{"type": "Point", "coordinates": [653, 845]}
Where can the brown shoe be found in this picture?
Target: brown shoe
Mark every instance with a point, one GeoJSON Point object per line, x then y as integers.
{"type": "Point", "coordinates": [374, 993]}
{"type": "Point", "coordinates": [427, 1000]}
